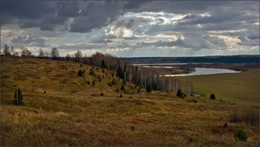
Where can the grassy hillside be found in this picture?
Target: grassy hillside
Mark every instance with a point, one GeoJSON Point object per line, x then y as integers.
{"type": "Point", "coordinates": [238, 87]}
{"type": "Point", "coordinates": [71, 112]}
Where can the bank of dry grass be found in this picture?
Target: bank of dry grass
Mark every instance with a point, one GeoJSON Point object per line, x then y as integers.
{"type": "Point", "coordinates": [73, 112]}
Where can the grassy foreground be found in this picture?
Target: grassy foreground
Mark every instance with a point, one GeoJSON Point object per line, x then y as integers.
{"type": "Point", "coordinates": [71, 112]}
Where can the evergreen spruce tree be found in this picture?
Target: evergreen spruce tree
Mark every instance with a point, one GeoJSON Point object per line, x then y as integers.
{"type": "Point", "coordinates": [212, 96]}
{"type": "Point", "coordinates": [103, 64]}
{"type": "Point", "coordinates": [122, 87]}
{"type": "Point", "coordinates": [20, 97]}
{"type": "Point", "coordinates": [120, 73]}
{"type": "Point", "coordinates": [180, 94]}
{"type": "Point", "coordinates": [149, 88]}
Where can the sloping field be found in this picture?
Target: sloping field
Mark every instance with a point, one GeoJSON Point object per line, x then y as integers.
{"type": "Point", "coordinates": [73, 112]}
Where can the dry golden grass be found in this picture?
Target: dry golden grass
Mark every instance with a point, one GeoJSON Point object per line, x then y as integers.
{"type": "Point", "coordinates": [73, 112]}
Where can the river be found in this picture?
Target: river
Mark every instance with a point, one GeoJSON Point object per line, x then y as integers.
{"type": "Point", "coordinates": [205, 71]}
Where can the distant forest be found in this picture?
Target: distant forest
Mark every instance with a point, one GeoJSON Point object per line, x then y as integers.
{"type": "Point", "coordinates": [207, 59]}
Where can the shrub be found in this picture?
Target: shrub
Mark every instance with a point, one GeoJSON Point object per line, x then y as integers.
{"type": "Point", "coordinates": [117, 90]}
{"type": "Point", "coordinates": [122, 87]}
{"type": "Point", "coordinates": [44, 92]}
{"type": "Point", "coordinates": [180, 94]}
{"type": "Point", "coordinates": [130, 97]}
{"type": "Point", "coordinates": [113, 81]}
{"type": "Point", "coordinates": [212, 96]}
{"type": "Point", "coordinates": [103, 71]}
{"type": "Point", "coordinates": [97, 68]}
{"type": "Point", "coordinates": [225, 125]}
{"type": "Point", "coordinates": [121, 95]}
{"type": "Point", "coordinates": [139, 90]}
{"type": "Point", "coordinates": [91, 72]}
{"type": "Point", "coordinates": [88, 82]}
{"type": "Point", "coordinates": [109, 84]}
{"type": "Point", "coordinates": [93, 83]}
{"type": "Point", "coordinates": [101, 94]}
{"type": "Point", "coordinates": [240, 134]}
{"type": "Point", "coordinates": [103, 64]}
{"type": "Point", "coordinates": [132, 127]}
{"type": "Point", "coordinates": [149, 88]}
{"type": "Point", "coordinates": [80, 73]}
{"type": "Point", "coordinates": [99, 79]}
{"type": "Point", "coordinates": [80, 65]}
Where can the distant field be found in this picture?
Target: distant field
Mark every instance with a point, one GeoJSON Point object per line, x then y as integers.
{"type": "Point", "coordinates": [73, 113]}
{"type": "Point", "coordinates": [238, 87]}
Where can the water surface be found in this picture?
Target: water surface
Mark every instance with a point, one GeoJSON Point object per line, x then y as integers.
{"type": "Point", "coordinates": [205, 71]}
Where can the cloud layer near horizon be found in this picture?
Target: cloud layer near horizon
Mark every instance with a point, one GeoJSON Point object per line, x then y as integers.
{"type": "Point", "coordinates": [133, 28]}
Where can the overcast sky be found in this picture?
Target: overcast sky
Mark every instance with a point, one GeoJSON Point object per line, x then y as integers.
{"type": "Point", "coordinates": [132, 28]}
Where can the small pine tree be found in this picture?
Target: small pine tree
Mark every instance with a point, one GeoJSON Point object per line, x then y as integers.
{"type": "Point", "coordinates": [91, 72]}
{"type": "Point", "coordinates": [180, 94]}
{"type": "Point", "coordinates": [120, 73]}
{"type": "Point", "coordinates": [99, 79]}
{"type": "Point", "coordinates": [212, 96]}
{"type": "Point", "coordinates": [132, 127]}
{"type": "Point", "coordinates": [240, 134]}
{"type": "Point", "coordinates": [149, 88]}
{"type": "Point", "coordinates": [80, 73]}
{"type": "Point", "coordinates": [113, 81]}
{"type": "Point", "coordinates": [122, 87]}
{"type": "Point", "coordinates": [225, 125]}
{"type": "Point", "coordinates": [20, 96]}
{"type": "Point", "coordinates": [103, 64]}
{"type": "Point", "coordinates": [139, 90]}
{"type": "Point", "coordinates": [93, 83]}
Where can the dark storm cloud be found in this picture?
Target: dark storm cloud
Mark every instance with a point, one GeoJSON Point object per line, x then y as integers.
{"type": "Point", "coordinates": [237, 19]}
{"type": "Point", "coordinates": [90, 15]}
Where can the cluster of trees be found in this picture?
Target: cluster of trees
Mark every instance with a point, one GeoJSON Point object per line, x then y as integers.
{"type": "Point", "coordinates": [138, 75]}
{"type": "Point", "coordinates": [25, 52]}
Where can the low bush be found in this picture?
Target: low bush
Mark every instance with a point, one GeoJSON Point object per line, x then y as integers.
{"type": "Point", "coordinates": [91, 72]}
{"type": "Point", "coordinates": [149, 88]}
{"type": "Point", "coordinates": [212, 96]}
{"type": "Point", "coordinates": [180, 94]}
{"type": "Point", "coordinates": [109, 84]}
{"type": "Point", "coordinates": [132, 127]}
{"type": "Point", "coordinates": [240, 134]}
{"type": "Point", "coordinates": [123, 87]}
{"type": "Point", "coordinates": [225, 125]}
{"type": "Point", "coordinates": [121, 95]}
{"type": "Point", "coordinates": [101, 94]}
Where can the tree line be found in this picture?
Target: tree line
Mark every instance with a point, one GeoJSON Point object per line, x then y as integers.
{"type": "Point", "coordinates": [129, 73]}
